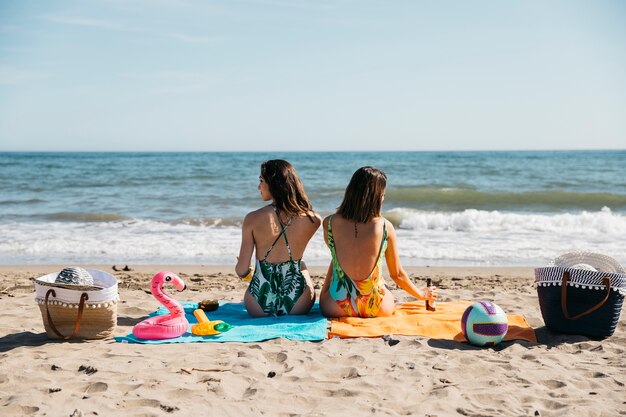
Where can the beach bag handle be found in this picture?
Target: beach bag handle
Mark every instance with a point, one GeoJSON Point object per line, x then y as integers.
{"type": "Point", "coordinates": [81, 306]}
{"type": "Point", "coordinates": [607, 283]}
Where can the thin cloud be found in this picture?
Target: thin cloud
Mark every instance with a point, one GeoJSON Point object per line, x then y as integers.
{"type": "Point", "coordinates": [8, 28]}
{"type": "Point", "coordinates": [293, 4]}
{"type": "Point", "coordinates": [12, 76]}
{"type": "Point", "coordinates": [195, 39]}
{"type": "Point", "coordinates": [93, 23]}
{"type": "Point", "coordinates": [174, 82]}
{"type": "Point", "coordinates": [167, 76]}
{"type": "Point", "coordinates": [199, 88]}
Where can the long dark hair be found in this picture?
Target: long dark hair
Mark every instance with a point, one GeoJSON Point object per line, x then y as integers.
{"type": "Point", "coordinates": [286, 187]}
{"type": "Point", "coordinates": [363, 199]}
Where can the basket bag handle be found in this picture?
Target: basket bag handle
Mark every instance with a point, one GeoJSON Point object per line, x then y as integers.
{"type": "Point", "coordinates": [607, 284]}
{"type": "Point", "coordinates": [81, 306]}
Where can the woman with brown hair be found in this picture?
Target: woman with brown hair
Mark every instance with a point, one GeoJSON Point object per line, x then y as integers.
{"type": "Point", "coordinates": [280, 282]}
{"type": "Point", "coordinates": [358, 237]}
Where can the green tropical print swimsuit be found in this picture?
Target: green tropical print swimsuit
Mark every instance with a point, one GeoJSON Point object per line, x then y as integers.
{"type": "Point", "coordinates": [277, 287]}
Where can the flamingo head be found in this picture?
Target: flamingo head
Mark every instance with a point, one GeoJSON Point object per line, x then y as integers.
{"type": "Point", "coordinates": [166, 277]}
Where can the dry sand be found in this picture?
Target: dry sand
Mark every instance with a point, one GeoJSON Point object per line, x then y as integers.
{"type": "Point", "coordinates": [558, 376]}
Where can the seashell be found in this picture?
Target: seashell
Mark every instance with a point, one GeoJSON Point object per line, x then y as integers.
{"type": "Point", "coordinates": [74, 276]}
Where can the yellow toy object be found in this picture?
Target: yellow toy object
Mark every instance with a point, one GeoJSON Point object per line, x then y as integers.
{"type": "Point", "coordinates": [248, 277]}
{"type": "Point", "coordinates": [206, 327]}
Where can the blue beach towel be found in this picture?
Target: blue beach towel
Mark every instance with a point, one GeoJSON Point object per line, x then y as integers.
{"type": "Point", "coordinates": [312, 326]}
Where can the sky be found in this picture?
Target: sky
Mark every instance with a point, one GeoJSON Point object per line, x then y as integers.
{"type": "Point", "coordinates": [306, 75]}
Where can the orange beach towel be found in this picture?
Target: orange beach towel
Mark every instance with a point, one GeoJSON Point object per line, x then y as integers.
{"type": "Point", "coordinates": [412, 319]}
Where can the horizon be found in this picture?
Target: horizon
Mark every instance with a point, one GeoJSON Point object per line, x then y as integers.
{"type": "Point", "coordinates": [322, 151]}
{"type": "Point", "coordinates": [310, 76]}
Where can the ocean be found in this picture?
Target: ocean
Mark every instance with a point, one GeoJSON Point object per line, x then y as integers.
{"type": "Point", "coordinates": [450, 208]}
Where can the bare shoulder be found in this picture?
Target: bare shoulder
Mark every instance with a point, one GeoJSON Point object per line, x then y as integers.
{"type": "Point", "coordinates": [390, 229]}
{"type": "Point", "coordinates": [326, 220]}
{"type": "Point", "coordinates": [317, 219]}
{"type": "Point", "coordinates": [256, 215]}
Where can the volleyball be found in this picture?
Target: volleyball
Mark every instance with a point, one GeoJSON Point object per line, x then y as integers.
{"type": "Point", "coordinates": [484, 324]}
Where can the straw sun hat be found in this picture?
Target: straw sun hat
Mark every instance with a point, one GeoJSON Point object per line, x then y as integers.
{"type": "Point", "coordinates": [588, 261]}
{"type": "Point", "coordinates": [73, 278]}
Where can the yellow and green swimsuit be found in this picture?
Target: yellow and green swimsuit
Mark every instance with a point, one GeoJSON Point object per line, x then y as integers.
{"type": "Point", "coordinates": [361, 298]}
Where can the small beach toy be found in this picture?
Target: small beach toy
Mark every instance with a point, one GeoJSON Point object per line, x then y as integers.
{"type": "Point", "coordinates": [209, 305]}
{"type": "Point", "coordinates": [206, 327]}
{"type": "Point", "coordinates": [74, 275]}
{"type": "Point", "coordinates": [170, 325]}
{"type": "Point", "coordinates": [484, 324]}
{"type": "Point", "coordinates": [248, 276]}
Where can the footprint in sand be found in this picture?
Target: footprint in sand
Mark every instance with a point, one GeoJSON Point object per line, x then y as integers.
{"type": "Point", "coordinates": [553, 384]}
{"type": "Point", "coordinates": [340, 393]}
{"type": "Point", "coordinates": [96, 387]}
{"type": "Point", "coordinates": [142, 402]}
{"type": "Point", "coordinates": [553, 405]}
{"type": "Point", "coordinates": [279, 357]}
{"type": "Point", "coordinates": [355, 359]}
{"type": "Point", "coordinates": [19, 410]}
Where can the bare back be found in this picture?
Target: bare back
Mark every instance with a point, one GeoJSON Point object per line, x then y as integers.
{"type": "Point", "coordinates": [266, 228]}
{"type": "Point", "coordinates": [357, 251]}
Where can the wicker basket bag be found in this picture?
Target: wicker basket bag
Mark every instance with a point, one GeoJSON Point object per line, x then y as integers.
{"type": "Point", "coordinates": [581, 293]}
{"type": "Point", "coordinates": [80, 311]}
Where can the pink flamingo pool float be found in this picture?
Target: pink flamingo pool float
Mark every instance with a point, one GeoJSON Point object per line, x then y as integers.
{"type": "Point", "coordinates": [170, 325]}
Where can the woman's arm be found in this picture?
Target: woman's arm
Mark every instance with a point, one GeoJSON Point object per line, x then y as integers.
{"type": "Point", "coordinates": [242, 269]}
{"type": "Point", "coordinates": [398, 274]}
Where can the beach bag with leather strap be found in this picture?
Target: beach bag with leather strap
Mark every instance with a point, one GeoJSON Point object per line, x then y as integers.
{"type": "Point", "coordinates": [78, 311]}
{"type": "Point", "coordinates": [581, 293]}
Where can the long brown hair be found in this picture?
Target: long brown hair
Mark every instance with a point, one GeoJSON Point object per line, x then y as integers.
{"type": "Point", "coordinates": [363, 199]}
{"type": "Point", "coordinates": [286, 187]}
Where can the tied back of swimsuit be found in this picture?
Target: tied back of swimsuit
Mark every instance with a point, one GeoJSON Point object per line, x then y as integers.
{"type": "Point", "coordinates": [358, 298]}
{"type": "Point", "coordinates": [277, 287]}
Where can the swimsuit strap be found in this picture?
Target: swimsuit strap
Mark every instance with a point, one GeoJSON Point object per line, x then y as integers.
{"type": "Point", "coordinates": [331, 239]}
{"type": "Point", "coordinates": [282, 233]}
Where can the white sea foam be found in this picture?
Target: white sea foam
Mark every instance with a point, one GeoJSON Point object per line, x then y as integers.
{"type": "Point", "coordinates": [491, 237]}
{"type": "Point", "coordinates": [470, 237]}
{"type": "Point", "coordinates": [602, 222]}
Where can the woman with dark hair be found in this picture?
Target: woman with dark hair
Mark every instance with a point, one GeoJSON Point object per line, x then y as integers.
{"type": "Point", "coordinates": [278, 233]}
{"type": "Point", "coordinates": [358, 237]}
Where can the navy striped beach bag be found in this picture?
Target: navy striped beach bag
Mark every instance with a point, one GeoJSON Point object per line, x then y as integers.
{"type": "Point", "coordinates": [581, 293]}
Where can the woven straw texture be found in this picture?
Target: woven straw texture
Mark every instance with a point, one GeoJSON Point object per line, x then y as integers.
{"type": "Point", "coordinates": [99, 316]}
{"type": "Point", "coordinates": [96, 323]}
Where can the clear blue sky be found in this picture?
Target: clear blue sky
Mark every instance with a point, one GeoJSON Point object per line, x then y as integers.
{"type": "Point", "coordinates": [312, 75]}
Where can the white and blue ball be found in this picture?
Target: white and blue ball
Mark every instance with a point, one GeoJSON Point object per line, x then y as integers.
{"type": "Point", "coordinates": [484, 323]}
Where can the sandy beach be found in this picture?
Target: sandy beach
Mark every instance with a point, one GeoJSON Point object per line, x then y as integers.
{"type": "Point", "coordinates": [561, 375]}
